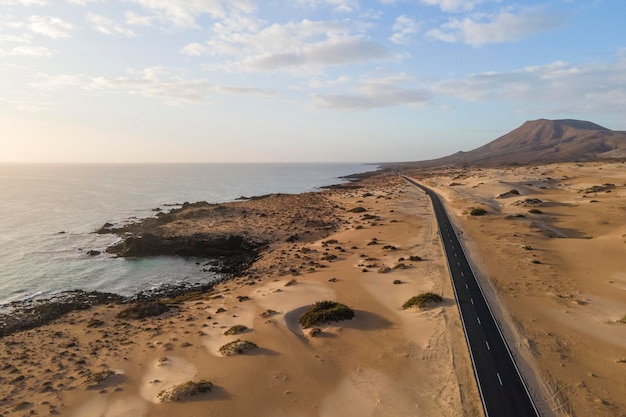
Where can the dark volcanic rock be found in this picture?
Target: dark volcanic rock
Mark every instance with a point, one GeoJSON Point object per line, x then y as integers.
{"type": "Point", "coordinates": [195, 245]}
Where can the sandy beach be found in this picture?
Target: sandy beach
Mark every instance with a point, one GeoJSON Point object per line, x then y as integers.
{"type": "Point", "coordinates": [554, 278]}
{"type": "Point", "coordinates": [386, 361]}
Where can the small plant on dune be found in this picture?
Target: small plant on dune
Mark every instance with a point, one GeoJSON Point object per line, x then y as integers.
{"type": "Point", "coordinates": [236, 329]}
{"type": "Point", "coordinates": [478, 212]}
{"type": "Point", "coordinates": [422, 300]}
{"type": "Point", "coordinates": [237, 347]}
{"type": "Point", "coordinates": [325, 312]}
{"type": "Point", "coordinates": [185, 390]}
{"type": "Point", "coordinates": [99, 377]}
{"type": "Point", "coordinates": [622, 320]}
{"type": "Point", "coordinates": [535, 211]}
{"type": "Point", "coordinates": [397, 282]}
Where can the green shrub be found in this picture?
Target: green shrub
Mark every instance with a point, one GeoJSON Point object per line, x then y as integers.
{"type": "Point", "coordinates": [325, 312]}
{"type": "Point", "coordinates": [397, 282]}
{"type": "Point", "coordinates": [478, 212]}
{"type": "Point", "coordinates": [236, 329]}
{"type": "Point", "coordinates": [185, 390]}
{"type": "Point", "coordinates": [422, 300]}
{"type": "Point", "coordinates": [99, 377]}
{"type": "Point", "coordinates": [237, 347]}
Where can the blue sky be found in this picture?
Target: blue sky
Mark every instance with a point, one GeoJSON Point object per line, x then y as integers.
{"type": "Point", "coordinates": [298, 80]}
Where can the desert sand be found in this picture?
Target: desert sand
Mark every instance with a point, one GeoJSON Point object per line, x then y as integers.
{"type": "Point", "coordinates": [386, 361]}
{"type": "Point", "coordinates": [557, 277]}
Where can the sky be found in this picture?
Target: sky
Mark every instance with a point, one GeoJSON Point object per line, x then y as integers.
{"type": "Point", "coordinates": [298, 80]}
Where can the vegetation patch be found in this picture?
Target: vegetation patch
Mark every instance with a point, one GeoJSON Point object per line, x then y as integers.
{"type": "Point", "coordinates": [422, 300]}
{"type": "Point", "coordinates": [185, 390]}
{"type": "Point", "coordinates": [236, 329]}
{"type": "Point", "coordinates": [415, 258]}
{"type": "Point", "coordinates": [325, 312]}
{"type": "Point", "coordinates": [237, 347]}
{"type": "Point", "coordinates": [478, 212]}
{"type": "Point", "coordinates": [535, 211]}
{"type": "Point", "coordinates": [142, 310]}
{"type": "Point", "coordinates": [622, 320]}
{"type": "Point", "coordinates": [99, 377]}
{"type": "Point", "coordinates": [397, 282]}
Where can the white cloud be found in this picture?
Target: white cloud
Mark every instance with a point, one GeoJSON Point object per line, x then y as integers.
{"type": "Point", "coordinates": [195, 49]}
{"type": "Point", "coordinates": [503, 27]}
{"type": "Point", "coordinates": [108, 26]}
{"type": "Point", "coordinates": [52, 27]}
{"type": "Point", "coordinates": [592, 88]}
{"type": "Point", "coordinates": [455, 5]}
{"type": "Point", "coordinates": [303, 47]}
{"type": "Point", "coordinates": [375, 93]}
{"type": "Point", "coordinates": [316, 56]}
{"type": "Point", "coordinates": [27, 3]}
{"type": "Point", "coordinates": [338, 5]}
{"type": "Point", "coordinates": [84, 2]}
{"type": "Point", "coordinates": [31, 51]}
{"type": "Point", "coordinates": [184, 13]}
{"type": "Point", "coordinates": [403, 28]}
{"type": "Point", "coordinates": [157, 83]}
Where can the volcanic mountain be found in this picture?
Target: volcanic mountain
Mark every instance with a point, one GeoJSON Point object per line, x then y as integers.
{"type": "Point", "coordinates": [542, 141]}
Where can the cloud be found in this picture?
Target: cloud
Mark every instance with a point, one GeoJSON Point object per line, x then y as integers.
{"type": "Point", "coordinates": [331, 52]}
{"type": "Point", "coordinates": [195, 49]}
{"type": "Point", "coordinates": [108, 26]}
{"type": "Point", "coordinates": [302, 47]}
{"type": "Point", "coordinates": [156, 82]}
{"type": "Point", "coordinates": [52, 27]}
{"type": "Point", "coordinates": [559, 86]}
{"type": "Point", "coordinates": [338, 5]}
{"type": "Point", "coordinates": [27, 3]}
{"type": "Point", "coordinates": [503, 27]}
{"type": "Point", "coordinates": [455, 5]}
{"type": "Point", "coordinates": [184, 13]}
{"type": "Point", "coordinates": [375, 93]}
{"type": "Point", "coordinates": [29, 51]}
{"type": "Point", "coordinates": [403, 28]}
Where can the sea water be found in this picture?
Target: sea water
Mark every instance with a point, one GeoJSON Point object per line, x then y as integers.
{"type": "Point", "coordinates": [48, 215]}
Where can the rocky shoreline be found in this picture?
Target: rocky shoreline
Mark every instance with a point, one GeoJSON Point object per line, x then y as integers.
{"type": "Point", "coordinates": [229, 236]}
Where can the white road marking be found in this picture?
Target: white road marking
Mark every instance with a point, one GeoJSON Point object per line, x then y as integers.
{"type": "Point", "coordinates": [478, 318]}
{"type": "Point", "coordinates": [462, 274]}
{"type": "Point", "coordinates": [472, 300]}
{"type": "Point", "coordinates": [487, 343]}
{"type": "Point", "coordinates": [499, 379]}
{"type": "Point", "coordinates": [466, 286]}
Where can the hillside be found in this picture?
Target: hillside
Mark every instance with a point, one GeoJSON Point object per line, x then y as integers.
{"type": "Point", "coordinates": [541, 141]}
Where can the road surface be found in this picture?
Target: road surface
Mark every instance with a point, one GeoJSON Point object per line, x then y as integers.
{"type": "Point", "coordinates": [500, 383]}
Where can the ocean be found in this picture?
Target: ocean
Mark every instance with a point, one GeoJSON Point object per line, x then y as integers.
{"type": "Point", "coordinates": [48, 215]}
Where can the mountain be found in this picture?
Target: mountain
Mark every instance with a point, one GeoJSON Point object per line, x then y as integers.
{"type": "Point", "coordinates": [542, 141]}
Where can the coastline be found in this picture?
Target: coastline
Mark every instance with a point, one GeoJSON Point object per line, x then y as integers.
{"type": "Point", "coordinates": [345, 370]}
{"type": "Point", "coordinates": [358, 251]}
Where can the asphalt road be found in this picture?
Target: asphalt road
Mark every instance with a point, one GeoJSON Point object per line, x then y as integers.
{"type": "Point", "coordinates": [500, 383]}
